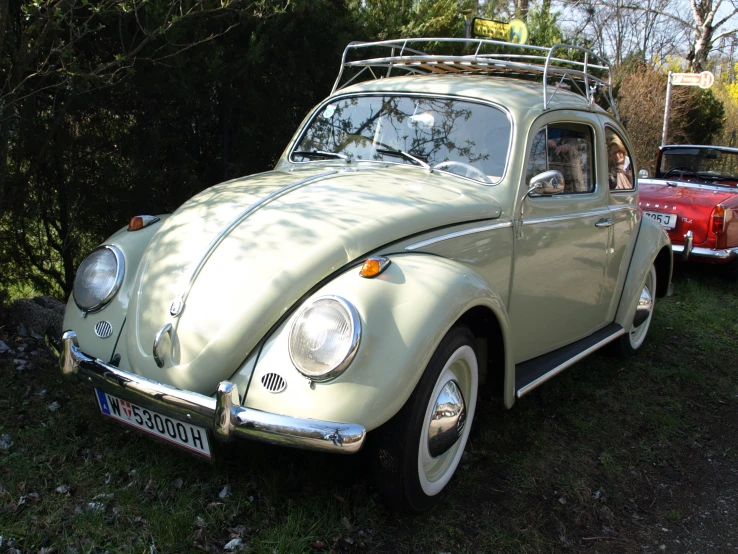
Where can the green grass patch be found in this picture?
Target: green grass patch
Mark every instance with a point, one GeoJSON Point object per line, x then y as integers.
{"type": "Point", "coordinates": [572, 462]}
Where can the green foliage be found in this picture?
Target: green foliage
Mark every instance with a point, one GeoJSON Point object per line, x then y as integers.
{"type": "Point", "coordinates": [81, 159]}
{"type": "Point", "coordinates": [707, 115]}
{"type": "Point", "coordinates": [543, 26]}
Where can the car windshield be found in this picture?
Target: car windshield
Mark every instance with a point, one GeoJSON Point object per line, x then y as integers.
{"type": "Point", "coordinates": [710, 165]}
{"type": "Point", "coordinates": [472, 139]}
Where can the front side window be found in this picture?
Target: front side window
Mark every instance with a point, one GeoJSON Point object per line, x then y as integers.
{"type": "Point", "coordinates": [620, 173]}
{"type": "Point", "coordinates": [468, 139]}
{"type": "Point", "coordinates": [565, 147]}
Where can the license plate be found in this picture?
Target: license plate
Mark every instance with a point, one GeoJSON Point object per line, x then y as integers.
{"type": "Point", "coordinates": [180, 433]}
{"type": "Point", "coordinates": [667, 221]}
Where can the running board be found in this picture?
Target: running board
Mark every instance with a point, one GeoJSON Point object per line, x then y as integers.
{"type": "Point", "coordinates": [537, 371]}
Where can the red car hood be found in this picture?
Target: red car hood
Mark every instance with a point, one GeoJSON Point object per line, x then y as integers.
{"type": "Point", "coordinates": [693, 205]}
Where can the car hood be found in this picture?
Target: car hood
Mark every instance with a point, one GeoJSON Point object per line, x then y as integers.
{"type": "Point", "coordinates": [693, 205]}
{"type": "Point", "coordinates": [287, 241]}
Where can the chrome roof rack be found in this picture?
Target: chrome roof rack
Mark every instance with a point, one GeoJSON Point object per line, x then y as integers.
{"type": "Point", "coordinates": [587, 74]}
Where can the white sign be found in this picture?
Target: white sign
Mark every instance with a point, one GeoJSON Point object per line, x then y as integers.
{"type": "Point", "coordinates": [702, 80]}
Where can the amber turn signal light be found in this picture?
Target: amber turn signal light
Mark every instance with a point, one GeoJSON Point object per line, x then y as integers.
{"type": "Point", "coordinates": [374, 266]}
{"type": "Point", "coordinates": [140, 221]}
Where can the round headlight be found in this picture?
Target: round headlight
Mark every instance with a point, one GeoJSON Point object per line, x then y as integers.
{"type": "Point", "coordinates": [324, 338]}
{"type": "Point", "coordinates": [98, 278]}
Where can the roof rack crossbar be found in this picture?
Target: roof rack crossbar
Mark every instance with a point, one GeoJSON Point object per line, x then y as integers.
{"type": "Point", "coordinates": [406, 56]}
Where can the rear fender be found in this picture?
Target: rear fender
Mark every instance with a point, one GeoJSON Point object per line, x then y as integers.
{"type": "Point", "coordinates": [405, 312]}
{"type": "Point", "coordinates": [652, 248]}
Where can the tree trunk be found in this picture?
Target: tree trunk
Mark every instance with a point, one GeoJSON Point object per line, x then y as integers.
{"type": "Point", "coordinates": [522, 9]}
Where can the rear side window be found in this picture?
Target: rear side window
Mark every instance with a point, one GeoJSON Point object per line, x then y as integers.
{"type": "Point", "coordinates": [564, 147]}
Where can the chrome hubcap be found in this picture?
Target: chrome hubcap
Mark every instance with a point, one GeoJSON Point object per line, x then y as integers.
{"type": "Point", "coordinates": [644, 308]}
{"type": "Point", "coordinates": [447, 420]}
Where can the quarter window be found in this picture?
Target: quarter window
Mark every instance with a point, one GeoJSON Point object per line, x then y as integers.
{"type": "Point", "coordinates": [564, 147]}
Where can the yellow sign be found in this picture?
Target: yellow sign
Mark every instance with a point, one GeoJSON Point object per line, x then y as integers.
{"type": "Point", "coordinates": [702, 80]}
{"type": "Point", "coordinates": [515, 31]}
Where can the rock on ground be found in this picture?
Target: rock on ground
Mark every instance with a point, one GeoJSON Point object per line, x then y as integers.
{"type": "Point", "coordinates": [35, 315]}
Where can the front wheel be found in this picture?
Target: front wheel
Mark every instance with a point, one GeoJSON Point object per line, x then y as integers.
{"type": "Point", "coordinates": [632, 340]}
{"type": "Point", "coordinates": [416, 453]}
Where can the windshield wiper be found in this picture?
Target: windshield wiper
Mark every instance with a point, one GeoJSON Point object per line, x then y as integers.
{"type": "Point", "coordinates": [401, 154]}
{"type": "Point", "coordinates": [320, 154]}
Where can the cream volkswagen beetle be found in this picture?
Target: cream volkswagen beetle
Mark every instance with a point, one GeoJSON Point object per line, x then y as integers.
{"type": "Point", "coordinates": [437, 223]}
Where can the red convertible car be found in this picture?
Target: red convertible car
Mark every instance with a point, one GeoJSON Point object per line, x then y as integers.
{"type": "Point", "coordinates": [694, 196]}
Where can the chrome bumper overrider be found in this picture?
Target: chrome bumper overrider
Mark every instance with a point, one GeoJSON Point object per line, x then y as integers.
{"type": "Point", "coordinates": [222, 414]}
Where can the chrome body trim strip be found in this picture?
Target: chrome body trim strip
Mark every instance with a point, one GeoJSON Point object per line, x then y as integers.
{"type": "Point", "coordinates": [566, 217]}
{"type": "Point", "coordinates": [715, 254]}
{"type": "Point", "coordinates": [232, 225]}
{"type": "Point", "coordinates": [456, 234]}
{"type": "Point", "coordinates": [558, 369]}
{"type": "Point", "coordinates": [222, 414]}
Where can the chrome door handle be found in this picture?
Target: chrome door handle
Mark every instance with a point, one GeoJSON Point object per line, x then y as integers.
{"type": "Point", "coordinates": [605, 222]}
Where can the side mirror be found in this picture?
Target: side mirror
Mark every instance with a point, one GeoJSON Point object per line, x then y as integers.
{"type": "Point", "coordinates": [643, 174]}
{"type": "Point", "coordinates": [547, 183]}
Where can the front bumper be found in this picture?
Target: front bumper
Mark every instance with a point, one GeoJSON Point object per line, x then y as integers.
{"type": "Point", "coordinates": [223, 414]}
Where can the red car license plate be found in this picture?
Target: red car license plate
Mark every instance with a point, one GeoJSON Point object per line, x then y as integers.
{"type": "Point", "coordinates": [667, 221]}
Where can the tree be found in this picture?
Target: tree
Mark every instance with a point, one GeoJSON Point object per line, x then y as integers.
{"type": "Point", "coordinates": [78, 45]}
{"type": "Point", "coordinates": [85, 156]}
{"type": "Point", "coordinates": [620, 29]}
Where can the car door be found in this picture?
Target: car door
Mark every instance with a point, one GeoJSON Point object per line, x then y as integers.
{"type": "Point", "coordinates": [561, 242]}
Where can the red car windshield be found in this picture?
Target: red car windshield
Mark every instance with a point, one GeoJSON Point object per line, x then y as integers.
{"type": "Point", "coordinates": [707, 165]}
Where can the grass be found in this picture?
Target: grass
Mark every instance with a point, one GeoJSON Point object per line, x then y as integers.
{"type": "Point", "coordinates": [571, 465]}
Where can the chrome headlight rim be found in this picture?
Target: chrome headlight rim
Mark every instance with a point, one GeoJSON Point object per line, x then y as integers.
{"type": "Point", "coordinates": [120, 272]}
{"type": "Point", "coordinates": [353, 314]}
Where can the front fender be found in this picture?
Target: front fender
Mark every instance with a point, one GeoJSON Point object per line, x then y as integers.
{"type": "Point", "coordinates": [405, 312]}
{"type": "Point", "coordinates": [652, 247]}
{"type": "Point", "coordinates": [132, 244]}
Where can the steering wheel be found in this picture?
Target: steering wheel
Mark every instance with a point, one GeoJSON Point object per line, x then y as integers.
{"type": "Point", "coordinates": [682, 169]}
{"type": "Point", "coordinates": [469, 170]}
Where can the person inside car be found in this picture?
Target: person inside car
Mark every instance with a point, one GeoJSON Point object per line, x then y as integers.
{"type": "Point", "coordinates": [618, 177]}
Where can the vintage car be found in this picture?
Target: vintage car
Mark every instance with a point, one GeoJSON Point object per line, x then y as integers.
{"type": "Point", "coordinates": [694, 196]}
{"type": "Point", "coordinates": [446, 225]}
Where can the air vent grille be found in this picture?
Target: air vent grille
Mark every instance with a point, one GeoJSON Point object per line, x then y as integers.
{"type": "Point", "coordinates": [103, 329]}
{"type": "Point", "coordinates": [273, 382]}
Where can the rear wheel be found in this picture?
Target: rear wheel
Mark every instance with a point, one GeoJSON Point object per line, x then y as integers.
{"type": "Point", "coordinates": [416, 453]}
{"type": "Point", "coordinates": [632, 340]}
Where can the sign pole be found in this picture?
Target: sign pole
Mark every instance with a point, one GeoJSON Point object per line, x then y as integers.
{"type": "Point", "coordinates": [703, 80]}
{"type": "Point", "coordinates": [666, 111]}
